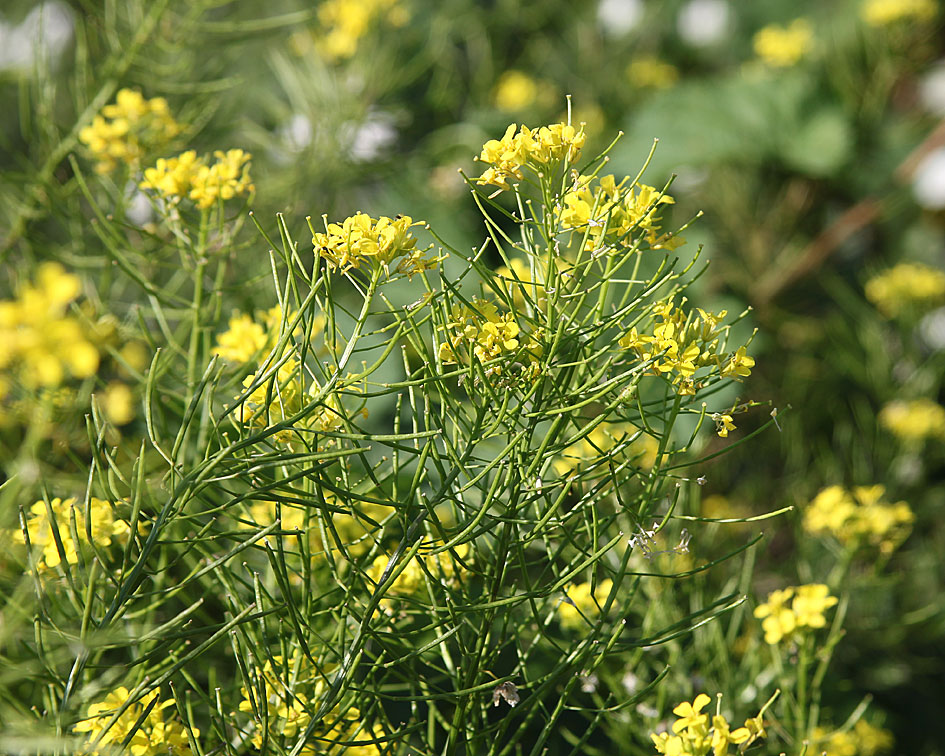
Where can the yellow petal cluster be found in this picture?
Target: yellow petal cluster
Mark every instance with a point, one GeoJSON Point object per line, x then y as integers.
{"type": "Point", "coordinates": [605, 443]}
{"type": "Point", "coordinates": [859, 517]}
{"type": "Point", "coordinates": [583, 604]}
{"type": "Point", "coordinates": [907, 287]}
{"type": "Point", "coordinates": [441, 567]}
{"type": "Point", "coordinates": [536, 149]}
{"type": "Point", "coordinates": [682, 343]}
{"type": "Point", "coordinates": [481, 331]}
{"type": "Point", "coordinates": [127, 128]}
{"type": "Point", "coordinates": [246, 339]}
{"type": "Point", "coordinates": [863, 739]}
{"type": "Point", "coordinates": [888, 12]}
{"type": "Point", "coordinates": [914, 421]}
{"type": "Point", "coordinates": [609, 212]}
{"type": "Point", "coordinates": [41, 345]}
{"type": "Point", "coordinates": [782, 622]}
{"type": "Point", "coordinates": [361, 240]}
{"type": "Point", "coordinates": [286, 695]}
{"type": "Point", "coordinates": [693, 734]}
{"type": "Point", "coordinates": [343, 23]}
{"type": "Point", "coordinates": [155, 736]}
{"type": "Point", "coordinates": [784, 46]}
{"type": "Point", "coordinates": [205, 183]}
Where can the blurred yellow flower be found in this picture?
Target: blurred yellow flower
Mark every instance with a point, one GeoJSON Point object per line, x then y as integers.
{"type": "Point", "coordinates": [888, 12]}
{"type": "Point", "coordinates": [246, 339]}
{"type": "Point", "coordinates": [863, 740]}
{"type": "Point", "coordinates": [205, 183]}
{"type": "Point", "coordinates": [412, 579]}
{"type": "Point", "coordinates": [906, 287]}
{"type": "Point", "coordinates": [608, 442]}
{"type": "Point", "coordinates": [124, 131]}
{"type": "Point", "coordinates": [153, 736]}
{"type": "Point", "coordinates": [914, 421]}
{"type": "Point", "coordinates": [781, 47]}
{"type": "Point", "coordinates": [806, 612]}
{"type": "Point", "coordinates": [118, 403]}
{"type": "Point", "coordinates": [345, 22]}
{"type": "Point", "coordinates": [515, 90]}
{"type": "Point", "coordinates": [652, 73]}
{"type": "Point", "coordinates": [859, 517]}
{"type": "Point", "coordinates": [583, 604]}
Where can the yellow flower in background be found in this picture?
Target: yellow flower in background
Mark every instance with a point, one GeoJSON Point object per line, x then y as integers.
{"type": "Point", "coordinates": [782, 47]}
{"type": "Point", "coordinates": [906, 287]}
{"type": "Point", "coordinates": [914, 421]}
{"type": "Point", "coordinates": [515, 90]}
{"type": "Point", "coordinates": [608, 442]}
{"type": "Point", "coordinates": [582, 604]}
{"type": "Point", "coordinates": [781, 622]}
{"type": "Point", "coordinates": [863, 740]}
{"type": "Point", "coordinates": [127, 129]}
{"type": "Point", "coordinates": [887, 12]}
{"type": "Point", "coordinates": [118, 403]}
{"type": "Point", "coordinates": [652, 73]}
{"type": "Point", "coordinates": [507, 156]}
{"type": "Point", "coordinates": [859, 517]}
{"type": "Point", "coordinates": [412, 579]}
{"type": "Point", "coordinates": [40, 345]}
{"type": "Point", "coordinates": [190, 176]}
{"type": "Point", "coordinates": [105, 527]}
{"type": "Point", "coordinates": [246, 339]}
{"type": "Point", "coordinates": [344, 23]}
{"type": "Point", "coordinates": [154, 736]}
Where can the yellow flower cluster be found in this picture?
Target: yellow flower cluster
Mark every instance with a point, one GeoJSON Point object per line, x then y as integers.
{"type": "Point", "coordinates": [583, 604]}
{"type": "Point", "coordinates": [863, 740]}
{"type": "Point", "coordinates": [515, 90]}
{"type": "Point", "coordinates": [652, 73]}
{"type": "Point", "coordinates": [482, 332]}
{"type": "Point", "coordinates": [782, 47]}
{"type": "Point", "coordinates": [606, 442]}
{"type": "Point", "coordinates": [682, 343]}
{"type": "Point", "coordinates": [345, 22]}
{"type": "Point", "coordinates": [286, 696]}
{"type": "Point", "coordinates": [610, 212]}
{"type": "Point", "coordinates": [124, 130]}
{"type": "Point", "coordinates": [889, 12]}
{"type": "Point", "coordinates": [693, 735]}
{"type": "Point", "coordinates": [154, 736]}
{"type": "Point", "coordinates": [906, 287]}
{"type": "Point", "coordinates": [534, 148]}
{"type": "Point", "coordinates": [914, 421]}
{"type": "Point", "coordinates": [195, 178]}
{"type": "Point", "coordinates": [246, 339]}
{"type": "Point", "coordinates": [360, 240]}
{"type": "Point", "coordinates": [440, 567]}
{"type": "Point", "coordinates": [859, 517]}
{"type": "Point", "coordinates": [781, 622]}
{"type": "Point", "coordinates": [103, 523]}
{"type": "Point", "coordinates": [40, 345]}
{"type": "Point", "coordinates": [275, 401]}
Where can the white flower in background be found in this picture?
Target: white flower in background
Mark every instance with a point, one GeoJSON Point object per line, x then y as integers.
{"type": "Point", "coordinates": [139, 210]}
{"type": "Point", "coordinates": [703, 22]}
{"type": "Point", "coordinates": [372, 137]}
{"type": "Point", "coordinates": [297, 132]}
{"type": "Point", "coordinates": [932, 89]}
{"type": "Point", "coordinates": [932, 329]}
{"type": "Point", "coordinates": [617, 17]}
{"type": "Point", "coordinates": [44, 33]}
{"type": "Point", "coordinates": [928, 183]}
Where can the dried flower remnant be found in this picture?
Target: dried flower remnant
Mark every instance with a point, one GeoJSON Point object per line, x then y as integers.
{"type": "Point", "coordinates": [507, 692]}
{"type": "Point", "coordinates": [859, 517]}
{"type": "Point", "coordinates": [784, 46]}
{"type": "Point", "coordinates": [154, 735]}
{"type": "Point", "coordinates": [782, 622]}
{"type": "Point", "coordinates": [127, 129]}
{"type": "Point", "coordinates": [881, 13]}
{"type": "Point", "coordinates": [906, 288]}
{"type": "Point", "coordinates": [535, 149]}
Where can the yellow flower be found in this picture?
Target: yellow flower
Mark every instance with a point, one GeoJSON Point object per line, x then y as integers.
{"type": "Point", "coordinates": [118, 403]}
{"type": "Point", "coordinates": [778, 621]}
{"type": "Point", "coordinates": [806, 612]}
{"type": "Point", "coordinates": [205, 183]}
{"type": "Point", "coordinates": [781, 47]}
{"type": "Point", "coordinates": [888, 12]}
{"type": "Point", "coordinates": [693, 735]}
{"type": "Point", "coordinates": [906, 288]}
{"type": "Point", "coordinates": [125, 130]}
{"type": "Point", "coordinates": [246, 339]}
{"type": "Point", "coordinates": [689, 715]}
{"type": "Point", "coordinates": [172, 177]}
{"type": "Point", "coordinates": [863, 740]}
{"type": "Point", "coordinates": [914, 421]}
{"type": "Point", "coordinates": [723, 424]}
{"type": "Point", "coordinates": [515, 90]}
{"type": "Point", "coordinates": [583, 604]}
{"type": "Point", "coordinates": [154, 736]}
{"type": "Point", "coordinates": [810, 603]}
{"type": "Point", "coordinates": [360, 240]}
{"type": "Point", "coordinates": [345, 22]}
{"type": "Point", "coordinates": [651, 72]}
{"type": "Point", "coordinates": [859, 517]}
{"type": "Point", "coordinates": [412, 579]}
{"type": "Point", "coordinates": [608, 442]}
{"type": "Point", "coordinates": [506, 157]}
